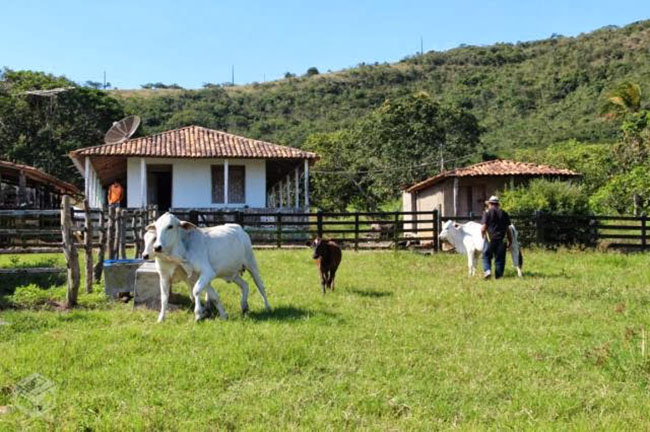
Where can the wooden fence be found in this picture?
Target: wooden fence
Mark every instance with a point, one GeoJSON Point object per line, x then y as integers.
{"type": "Point", "coordinates": [115, 231]}
{"type": "Point", "coordinates": [109, 232]}
{"type": "Point", "coordinates": [355, 229]}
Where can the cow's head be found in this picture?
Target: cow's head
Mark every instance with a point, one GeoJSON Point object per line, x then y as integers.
{"type": "Point", "coordinates": [149, 238]}
{"type": "Point", "coordinates": [319, 246]}
{"type": "Point", "coordinates": [168, 230]}
{"type": "Point", "coordinates": [449, 228]}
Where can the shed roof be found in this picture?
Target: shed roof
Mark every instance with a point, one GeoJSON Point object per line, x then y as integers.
{"type": "Point", "coordinates": [195, 142]}
{"type": "Point", "coordinates": [497, 167]}
{"type": "Point", "coordinates": [37, 175]}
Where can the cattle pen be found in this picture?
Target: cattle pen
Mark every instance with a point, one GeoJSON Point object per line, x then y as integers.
{"type": "Point", "coordinates": [108, 233]}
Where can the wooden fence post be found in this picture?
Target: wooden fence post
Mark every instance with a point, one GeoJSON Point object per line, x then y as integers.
{"type": "Point", "coordinates": [319, 223]}
{"type": "Point", "coordinates": [435, 230]}
{"type": "Point", "coordinates": [356, 231]}
{"type": "Point", "coordinates": [99, 266]}
{"type": "Point", "coordinates": [644, 237]}
{"type": "Point", "coordinates": [117, 234]}
{"type": "Point", "coordinates": [137, 250]}
{"type": "Point", "coordinates": [438, 227]}
{"type": "Point", "coordinates": [110, 227]}
{"type": "Point", "coordinates": [70, 251]}
{"type": "Point", "coordinates": [122, 236]}
{"type": "Point", "coordinates": [88, 246]}
{"type": "Point", "coordinates": [395, 230]}
{"type": "Point", "coordinates": [278, 228]}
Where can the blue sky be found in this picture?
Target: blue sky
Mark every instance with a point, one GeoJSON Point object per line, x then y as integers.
{"type": "Point", "coordinates": [192, 42]}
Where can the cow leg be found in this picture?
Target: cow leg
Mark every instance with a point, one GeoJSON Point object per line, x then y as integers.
{"type": "Point", "coordinates": [471, 262]}
{"type": "Point", "coordinates": [331, 279]}
{"type": "Point", "coordinates": [165, 283]}
{"type": "Point", "coordinates": [244, 293]}
{"type": "Point", "coordinates": [202, 283]}
{"type": "Point", "coordinates": [255, 273]}
{"type": "Point", "coordinates": [211, 298]}
{"type": "Point", "coordinates": [323, 280]}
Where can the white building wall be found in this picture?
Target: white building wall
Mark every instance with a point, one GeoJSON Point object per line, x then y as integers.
{"type": "Point", "coordinates": [192, 181]}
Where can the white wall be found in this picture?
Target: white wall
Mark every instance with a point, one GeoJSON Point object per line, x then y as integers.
{"type": "Point", "coordinates": [192, 181]}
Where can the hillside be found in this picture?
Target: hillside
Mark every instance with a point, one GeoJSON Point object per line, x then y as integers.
{"type": "Point", "coordinates": [528, 94]}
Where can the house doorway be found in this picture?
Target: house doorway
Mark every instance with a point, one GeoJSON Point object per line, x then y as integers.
{"type": "Point", "coordinates": [159, 186]}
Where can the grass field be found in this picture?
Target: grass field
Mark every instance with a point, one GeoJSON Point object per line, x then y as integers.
{"type": "Point", "coordinates": [406, 342]}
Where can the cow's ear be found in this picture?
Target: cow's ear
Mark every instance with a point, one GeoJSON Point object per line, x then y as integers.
{"type": "Point", "coordinates": [150, 227]}
{"type": "Point", "coordinates": [308, 243]}
{"type": "Point", "coordinates": [188, 225]}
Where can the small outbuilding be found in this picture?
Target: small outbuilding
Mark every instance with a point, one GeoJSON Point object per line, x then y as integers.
{"type": "Point", "coordinates": [27, 187]}
{"type": "Point", "coordinates": [463, 191]}
{"type": "Point", "coordinates": [198, 168]}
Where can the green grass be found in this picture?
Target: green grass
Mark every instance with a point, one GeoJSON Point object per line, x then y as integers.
{"type": "Point", "coordinates": [405, 342]}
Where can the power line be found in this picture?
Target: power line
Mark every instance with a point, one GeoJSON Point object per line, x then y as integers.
{"type": "Point", "coordinates": [398, 168]}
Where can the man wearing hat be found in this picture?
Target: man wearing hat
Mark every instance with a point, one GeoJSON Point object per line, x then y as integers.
{"type": "Point", "coordinates": [495, 223]}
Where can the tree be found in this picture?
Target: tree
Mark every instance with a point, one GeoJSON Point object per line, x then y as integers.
{"type": "Point", "coordinates": [397, 144]}
{"type": "Point", "coordinates": [312, 71]}
{"type": "Point", "coordinates": [617, 196]}
{"type": "Point", "coordinates": [622, 100]}
{"type": "Point", "coordinates": [41, 130]}
{"type": "Point", "coordinates": [340, 178]}
{"type": "Point", "coordinates": [405, 138]}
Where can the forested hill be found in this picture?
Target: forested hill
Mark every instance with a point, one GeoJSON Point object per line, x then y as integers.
{"type": "Point", "coordinates": [525, 94]}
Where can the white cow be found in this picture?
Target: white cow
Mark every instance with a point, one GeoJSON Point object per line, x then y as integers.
{"type": "Point", "coordinates": [223, 252]}
{"type": "Point", "coordinates": [467, 239]}
{"type": "Point", "coordinates": [182, 273]}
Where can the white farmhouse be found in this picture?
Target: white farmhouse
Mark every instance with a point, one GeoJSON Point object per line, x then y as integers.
{"type": "Point", "coordinates": [198, 168]}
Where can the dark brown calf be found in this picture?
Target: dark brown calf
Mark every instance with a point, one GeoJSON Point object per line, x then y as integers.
{"type": "Point", "coordinates": [328, 255]}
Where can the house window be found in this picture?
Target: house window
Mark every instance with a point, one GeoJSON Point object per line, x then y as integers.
{"type": "Point", "coordinates": [236, 184]}
{"type": "Point", "coordinates": [217, 184]}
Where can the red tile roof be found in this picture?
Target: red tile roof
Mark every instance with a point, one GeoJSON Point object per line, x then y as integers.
{"type": "Point", "coordinates": [497, 167]}
{"type": "Point", "coordinates": [195, 142]}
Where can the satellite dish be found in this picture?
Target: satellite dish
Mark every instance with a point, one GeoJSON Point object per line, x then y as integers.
{"type": "Point", "coordinates": [122, 130]}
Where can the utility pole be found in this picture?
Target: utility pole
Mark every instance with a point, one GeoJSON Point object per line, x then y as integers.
{"type": "Point", "coordinates": [104, 80]}
{"type": "Point", "coordinates": [442, 159]}
{"type": "Point", "coordinates": [233, 74]}
{"type": "Point", "coordinates": [421, 46]}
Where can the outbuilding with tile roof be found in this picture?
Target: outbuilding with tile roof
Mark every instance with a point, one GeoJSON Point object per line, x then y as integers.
{"type": "Point", "coordinates": [463, 191]}
{"type": "Point", "coordinates": [197, 167]}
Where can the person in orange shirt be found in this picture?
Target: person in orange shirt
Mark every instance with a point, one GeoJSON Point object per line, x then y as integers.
{"type": "Point", "coordinates": [115, 194]}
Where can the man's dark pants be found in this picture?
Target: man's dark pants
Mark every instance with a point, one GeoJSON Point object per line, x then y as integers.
{"type": "Point", "coordinates": [496, 249]}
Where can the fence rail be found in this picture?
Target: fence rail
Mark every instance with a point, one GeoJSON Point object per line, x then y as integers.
{"type": "Point", "coordinates": [25, 231]}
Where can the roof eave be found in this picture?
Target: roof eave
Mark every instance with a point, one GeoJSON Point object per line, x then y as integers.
{"type": "Point", "coordinates": [441, 177]}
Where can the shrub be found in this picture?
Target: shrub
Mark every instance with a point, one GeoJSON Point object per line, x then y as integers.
{"type": "Point", "coordinates": [552, 197]}
{"type": "Point", "coordinates": [617, 196]}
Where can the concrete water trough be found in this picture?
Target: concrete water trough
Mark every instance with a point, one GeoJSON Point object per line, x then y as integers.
{"type": "Point", "coordinates": [147, 289]}
{"type": "Point", "coordinates": [147, 286]}
{"type": "Point", "coordinates": [119, 276]}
